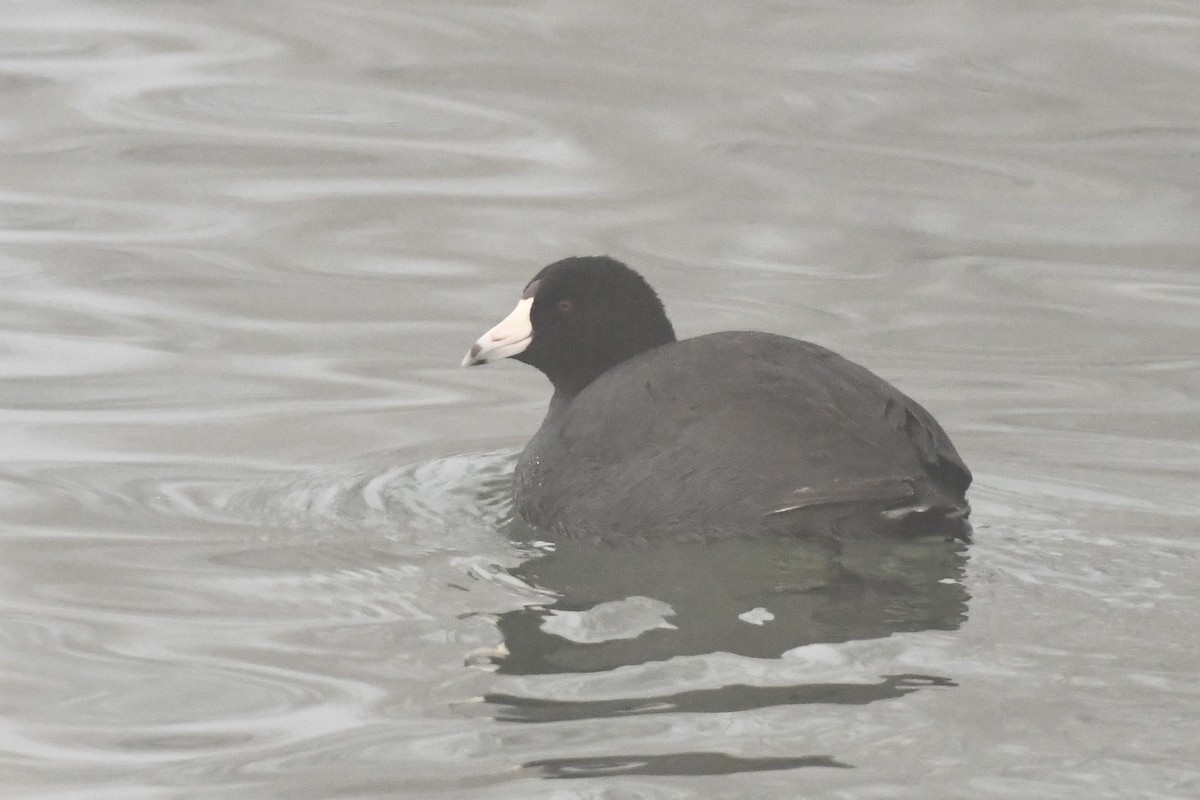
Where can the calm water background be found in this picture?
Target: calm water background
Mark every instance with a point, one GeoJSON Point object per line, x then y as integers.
{"type": "Point", "coordinates": [256, 539]}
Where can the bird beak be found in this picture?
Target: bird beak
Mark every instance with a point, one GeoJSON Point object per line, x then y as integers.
{"type": "Point", "coordinates": [511, 336]}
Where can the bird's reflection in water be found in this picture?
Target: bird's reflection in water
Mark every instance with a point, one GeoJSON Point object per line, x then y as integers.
{"type": "Point", "coordinates": [621, 606]}
{"type": "Point", "coordinates": [671, 764]}
{"type": "Point", "coordinates": [618, 606]}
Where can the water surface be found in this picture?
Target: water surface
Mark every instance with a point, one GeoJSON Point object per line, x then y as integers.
{"type": "Point", "coordinates": [255, 534]}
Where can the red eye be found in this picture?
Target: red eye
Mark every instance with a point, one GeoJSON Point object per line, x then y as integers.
{"type": "Point", "coordinates": [565, 306]}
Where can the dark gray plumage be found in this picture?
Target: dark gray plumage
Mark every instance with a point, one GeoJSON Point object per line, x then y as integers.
{"type": "Point", "coordinates": [728, 434]}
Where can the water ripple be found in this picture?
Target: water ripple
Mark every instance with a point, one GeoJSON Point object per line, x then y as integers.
{"type": "Point", "coordinates": [245, 244]}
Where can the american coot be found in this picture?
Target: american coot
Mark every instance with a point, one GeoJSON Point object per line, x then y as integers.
{"type": "Point", "coordinates": [729, 434]}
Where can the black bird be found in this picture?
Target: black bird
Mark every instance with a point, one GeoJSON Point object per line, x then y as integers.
{"type": "Point", "coordinates": [729, 434]}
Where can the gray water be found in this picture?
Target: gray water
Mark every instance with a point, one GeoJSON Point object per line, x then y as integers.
{"type": "Point", "coordinates": [255, 533]}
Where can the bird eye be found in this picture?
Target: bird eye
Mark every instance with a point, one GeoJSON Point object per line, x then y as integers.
{"type": "Point", "coordinates": [565, 306]}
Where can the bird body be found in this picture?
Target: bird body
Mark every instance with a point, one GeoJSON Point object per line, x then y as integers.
{"type": "Point", "coordinates": [728, 434]}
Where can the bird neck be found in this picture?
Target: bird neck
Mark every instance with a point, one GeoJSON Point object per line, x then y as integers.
{"type": "Point", "coordinates": [572, 377]}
